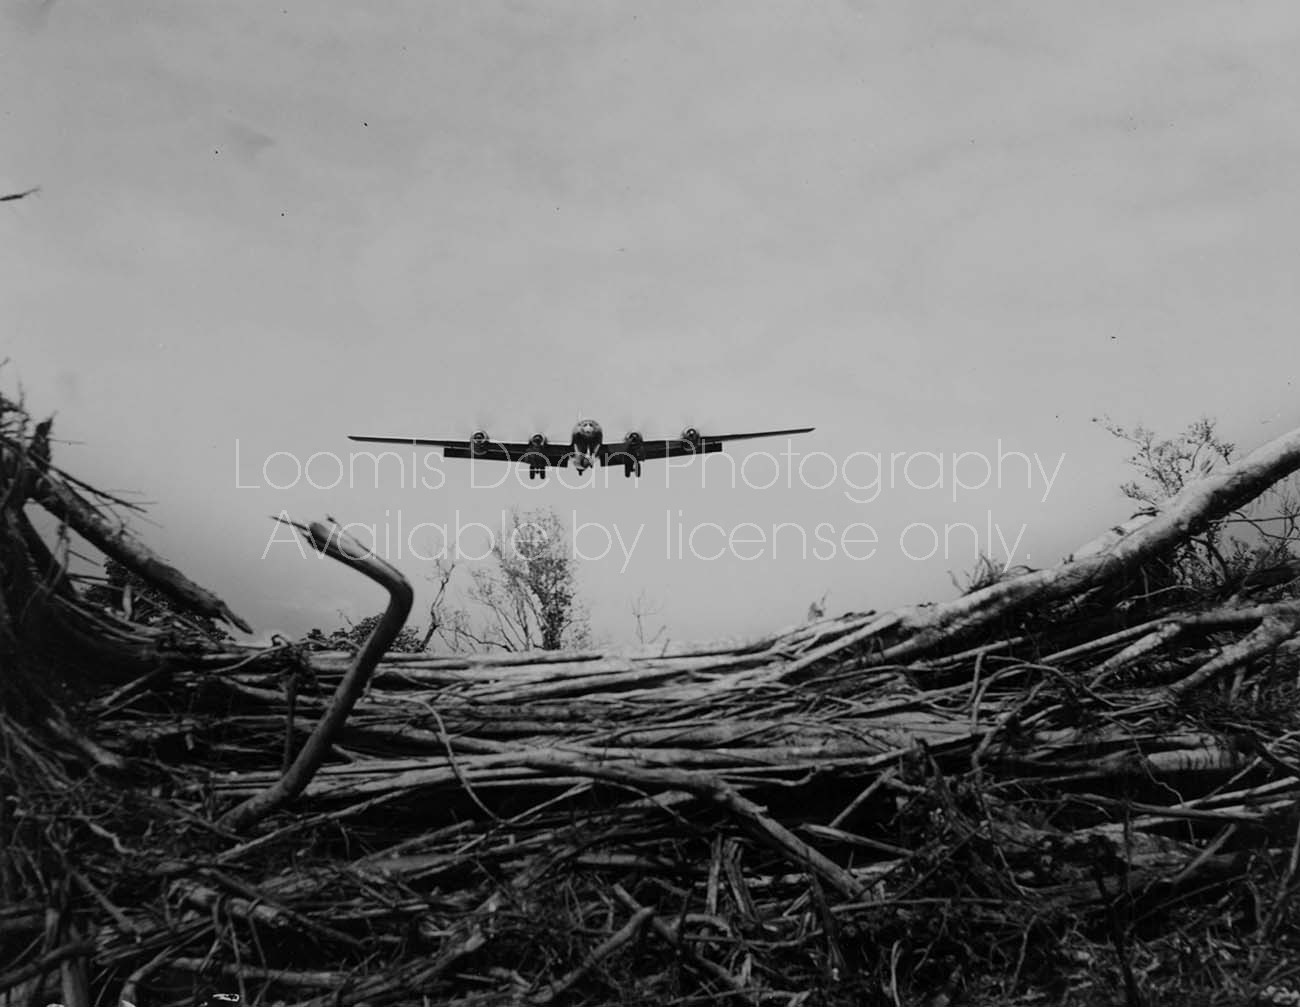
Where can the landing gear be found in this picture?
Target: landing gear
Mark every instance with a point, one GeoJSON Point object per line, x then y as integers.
{"type": "Point", "coordinates": [536, 471]}
{"type": "Point", "coordinates": [631, 469]}
{"type": "Point", "coordinates": [581, 462]}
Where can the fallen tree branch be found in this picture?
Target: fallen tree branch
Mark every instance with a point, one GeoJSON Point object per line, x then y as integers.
{"type": "Point", "coordinates": [1276, 628]}
{"type": "Point", "coordinates": [626, 934]}
{"type": "Point", "coordinates": [48, 961]}
{"type": "Point", "coordinates": [84, 518]}
{"type": "Point", "coordinates": [1196, 506]}
{"type": "Point", "coordinates": [674, 938]}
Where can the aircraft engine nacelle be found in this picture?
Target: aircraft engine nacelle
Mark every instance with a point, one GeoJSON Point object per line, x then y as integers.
{"type": "Point", "coordinates": [692, 437]}
{"type": "Point", "coordinates": [635, 443]}
{"type": "Point", "coordinates": [478, 442]}
{"type": "Point", "coordinates": [537, 440]}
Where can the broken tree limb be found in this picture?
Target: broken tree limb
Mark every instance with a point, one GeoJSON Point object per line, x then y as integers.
{"type": "Point", "coordinates": [333, 542]}
{"type": "Point", "coordinates": [85, 519]}
{"type": "Point", "coordinates": [1191, 510]}
{"type": "Point", "coordinates": [674, 938]}
{"type": "Point", "coordinates": [754, 818]}
{"type": "Point", "coordinates": [1278, 626]}
{"type": "Point", "coordinates": [626, 934]}
{"type": "Point", "coordinates": [48, 961]}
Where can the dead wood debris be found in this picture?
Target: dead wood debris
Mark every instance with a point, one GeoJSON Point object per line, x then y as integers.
{"type": "Point", "coordinates": [1052, 789]}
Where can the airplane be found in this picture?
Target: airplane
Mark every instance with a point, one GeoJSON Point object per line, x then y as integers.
{"type": "Point", "coordinates": [585, 448]}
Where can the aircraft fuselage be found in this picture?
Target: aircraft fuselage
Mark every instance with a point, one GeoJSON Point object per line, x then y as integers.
{"type": "Point", "coordinates": [586, 441]}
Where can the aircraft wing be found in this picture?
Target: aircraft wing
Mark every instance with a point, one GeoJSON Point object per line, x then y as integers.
{"type": "Point", "coordinates": [500, 451]}
{"type": "Point", "coordinates": [678, 447]}
{"type": "Point", "coordinates": [436, 442]}
{"type": "Point", "coordinates": [720, 438]}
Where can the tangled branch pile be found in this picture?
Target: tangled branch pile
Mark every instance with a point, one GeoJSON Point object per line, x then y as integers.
{"type": "Point", "coordinates": [1065, 786]}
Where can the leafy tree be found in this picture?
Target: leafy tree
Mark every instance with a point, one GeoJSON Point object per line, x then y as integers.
{"type": "Point", "coordinates": [526, 599]}
{"type": "Point", "coordinates": [1250, 549]}
{"type": "Point", "coordinates": [1166, 465]}
{"type": "Point", "coordinates": [353, 635]}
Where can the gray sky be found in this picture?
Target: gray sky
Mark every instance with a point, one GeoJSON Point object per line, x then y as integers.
{"type": "Point", "coordinates": [920, 227]}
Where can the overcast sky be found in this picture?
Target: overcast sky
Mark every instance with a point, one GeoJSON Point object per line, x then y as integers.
{"type": "Point", "coordinates": [942, 227]}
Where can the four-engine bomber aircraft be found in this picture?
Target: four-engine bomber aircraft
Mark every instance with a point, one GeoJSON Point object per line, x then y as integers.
{"type": "Point", "coordinates": [586, 447]}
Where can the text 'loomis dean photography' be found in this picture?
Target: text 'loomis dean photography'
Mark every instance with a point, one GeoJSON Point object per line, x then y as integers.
{"type": "Point", "coordinates": [410, 531]}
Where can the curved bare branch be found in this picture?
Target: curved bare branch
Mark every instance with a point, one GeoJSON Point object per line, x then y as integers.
{"type": "Point", "coordinates": [333, 542]}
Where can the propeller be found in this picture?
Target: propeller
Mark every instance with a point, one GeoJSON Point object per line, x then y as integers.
{"type": "Point", "coordinates": [701, 420]}
{"type": "Point", "coordinates": [627, 422]}
{"type": "Point", "coordinates": [490, 420]}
